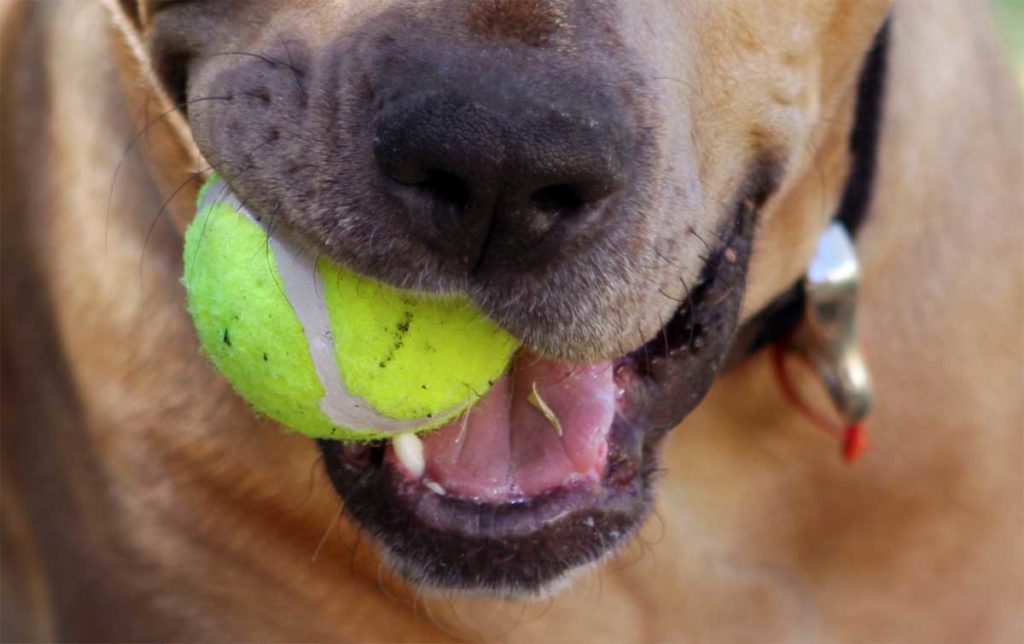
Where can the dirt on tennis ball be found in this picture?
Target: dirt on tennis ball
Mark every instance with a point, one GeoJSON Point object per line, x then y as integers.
{"type": "Point", "coordinates": [320, 349]}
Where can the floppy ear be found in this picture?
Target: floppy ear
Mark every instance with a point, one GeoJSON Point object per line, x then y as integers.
{"type": "Point", "coordinates": [129, 20]}
{"type": "Point", "coordinates": [132, 10]}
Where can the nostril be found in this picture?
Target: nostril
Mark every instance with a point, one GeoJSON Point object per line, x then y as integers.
{"type": "Point", "coordinates": [559, 201]}
{"type": "Point", "coordinates": [571, 199]}
{"type": "Point", "coordinates": [491, 177]}
{"type": "Point", "coordinates": [440, 186]}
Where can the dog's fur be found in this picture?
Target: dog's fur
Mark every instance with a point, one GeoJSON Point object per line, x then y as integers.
{"type": "Point", "coordinates": [142, 500]}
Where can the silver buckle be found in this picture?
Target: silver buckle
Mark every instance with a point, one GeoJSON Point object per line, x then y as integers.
{"type": "Point", "coordinates": [827, 336]}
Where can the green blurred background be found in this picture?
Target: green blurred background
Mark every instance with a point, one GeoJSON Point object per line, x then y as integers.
{"type": "Point", "coordinates": [1009, 16]}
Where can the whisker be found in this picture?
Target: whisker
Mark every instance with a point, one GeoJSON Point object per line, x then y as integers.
{"type": "Point", "coordinates": [192, 177]}
{"type": "Point", "coordinates": [691, 313]}
{"type": "Point", "coordinates": [693, 231]}
{"type": "Point", "coordinates": [270, 60]}
{"type": "Point", "coordinates": [131, 145]}
{"type": "Point", "coordinates": [292, 66]}
{"type": "Point", "coordinates": [327, 533]}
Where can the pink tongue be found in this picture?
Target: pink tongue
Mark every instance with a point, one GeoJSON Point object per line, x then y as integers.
{"type": "Point", "coordinates": [507, 448]}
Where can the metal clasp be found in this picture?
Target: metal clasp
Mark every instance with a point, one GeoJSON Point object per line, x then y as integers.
{"type": "Point", "coordinates": [827, 336]}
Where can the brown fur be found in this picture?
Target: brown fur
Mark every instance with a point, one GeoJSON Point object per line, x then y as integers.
{"type": "Point", "coordinates": [530, 21]}
{"type": "Point", "coordinates": [141, 499]}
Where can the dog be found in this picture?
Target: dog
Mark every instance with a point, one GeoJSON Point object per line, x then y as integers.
{"type": "Point", "coordinates": [627, 184]}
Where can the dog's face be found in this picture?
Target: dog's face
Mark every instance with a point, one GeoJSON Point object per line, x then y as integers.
{"type": "Point", "coordinates": [593, 174]}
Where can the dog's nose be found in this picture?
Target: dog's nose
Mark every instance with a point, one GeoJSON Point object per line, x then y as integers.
{"type": "Point", "coordinates": [501, 178]}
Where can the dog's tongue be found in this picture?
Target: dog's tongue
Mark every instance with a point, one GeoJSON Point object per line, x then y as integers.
{"type": "Point", "coordinates": [511, 446]}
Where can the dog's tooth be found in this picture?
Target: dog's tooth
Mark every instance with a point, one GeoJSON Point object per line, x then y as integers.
{"type": "Point", "coordinates": [409, 450]}
{"type": "Point", "coordinates": [435, 487]}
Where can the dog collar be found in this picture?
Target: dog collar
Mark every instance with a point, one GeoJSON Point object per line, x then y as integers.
{"type": "Point", "coordinates": [816, 317]}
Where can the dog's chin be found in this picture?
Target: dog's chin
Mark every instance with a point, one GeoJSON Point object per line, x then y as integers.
{"type": "Point", "coordinates": [553, 469]}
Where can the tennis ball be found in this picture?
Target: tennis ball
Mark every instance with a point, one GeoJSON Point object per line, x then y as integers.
{"type": "Point", "coordinates": [320, 349]}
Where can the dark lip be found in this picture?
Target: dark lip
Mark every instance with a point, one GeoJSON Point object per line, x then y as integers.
{"type": "Point", "coordinates": [525, 547]}
{"type": "Point", "coordinates": [512, 549]}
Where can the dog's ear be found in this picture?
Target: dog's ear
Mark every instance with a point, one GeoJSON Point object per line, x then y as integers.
{"type": "Point", "coordinates": [129, 18]}
{"type": "Point", "coordinates": [133, 12]}
{"type": "Point", "coordinates": [130, 21]}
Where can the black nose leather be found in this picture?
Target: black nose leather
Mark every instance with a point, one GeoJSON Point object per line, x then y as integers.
{"type": "Point", "coordinates": [502, 181]}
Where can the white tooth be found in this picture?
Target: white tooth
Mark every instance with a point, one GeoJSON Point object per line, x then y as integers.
{"type": "Point", "coordinates": [409, 450]}
{"type": "Point", "coordinates": [435, 487]}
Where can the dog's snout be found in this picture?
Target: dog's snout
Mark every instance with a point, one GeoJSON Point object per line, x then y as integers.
{"type": "Point", "coordinates": [502, 177]}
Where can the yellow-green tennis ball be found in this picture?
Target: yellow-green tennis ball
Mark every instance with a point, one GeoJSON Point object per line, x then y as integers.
{"type": "Point", "coordinates": [320, 349]}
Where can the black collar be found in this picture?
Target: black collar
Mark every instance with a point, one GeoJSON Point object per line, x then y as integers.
{"type": "Point", "coordinates": [780, 318]}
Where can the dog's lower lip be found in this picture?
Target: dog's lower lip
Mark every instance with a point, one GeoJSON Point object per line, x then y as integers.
{"type": "Point", "coordinates": [517, 547]}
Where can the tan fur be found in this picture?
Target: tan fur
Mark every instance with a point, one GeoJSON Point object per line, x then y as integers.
{"type": "Point", "coordinates": [141, 500]}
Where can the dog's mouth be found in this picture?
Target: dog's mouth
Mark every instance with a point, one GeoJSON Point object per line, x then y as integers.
{"type": "Point", "coordinates": [552, 468]}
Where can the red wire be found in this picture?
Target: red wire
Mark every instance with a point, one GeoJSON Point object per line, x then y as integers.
{"type": "Point", "coordinates": [853, 438]}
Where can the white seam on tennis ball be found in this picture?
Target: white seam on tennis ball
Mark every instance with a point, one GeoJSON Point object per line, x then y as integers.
{"type": "Point", "coordinates": [303, 288]}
